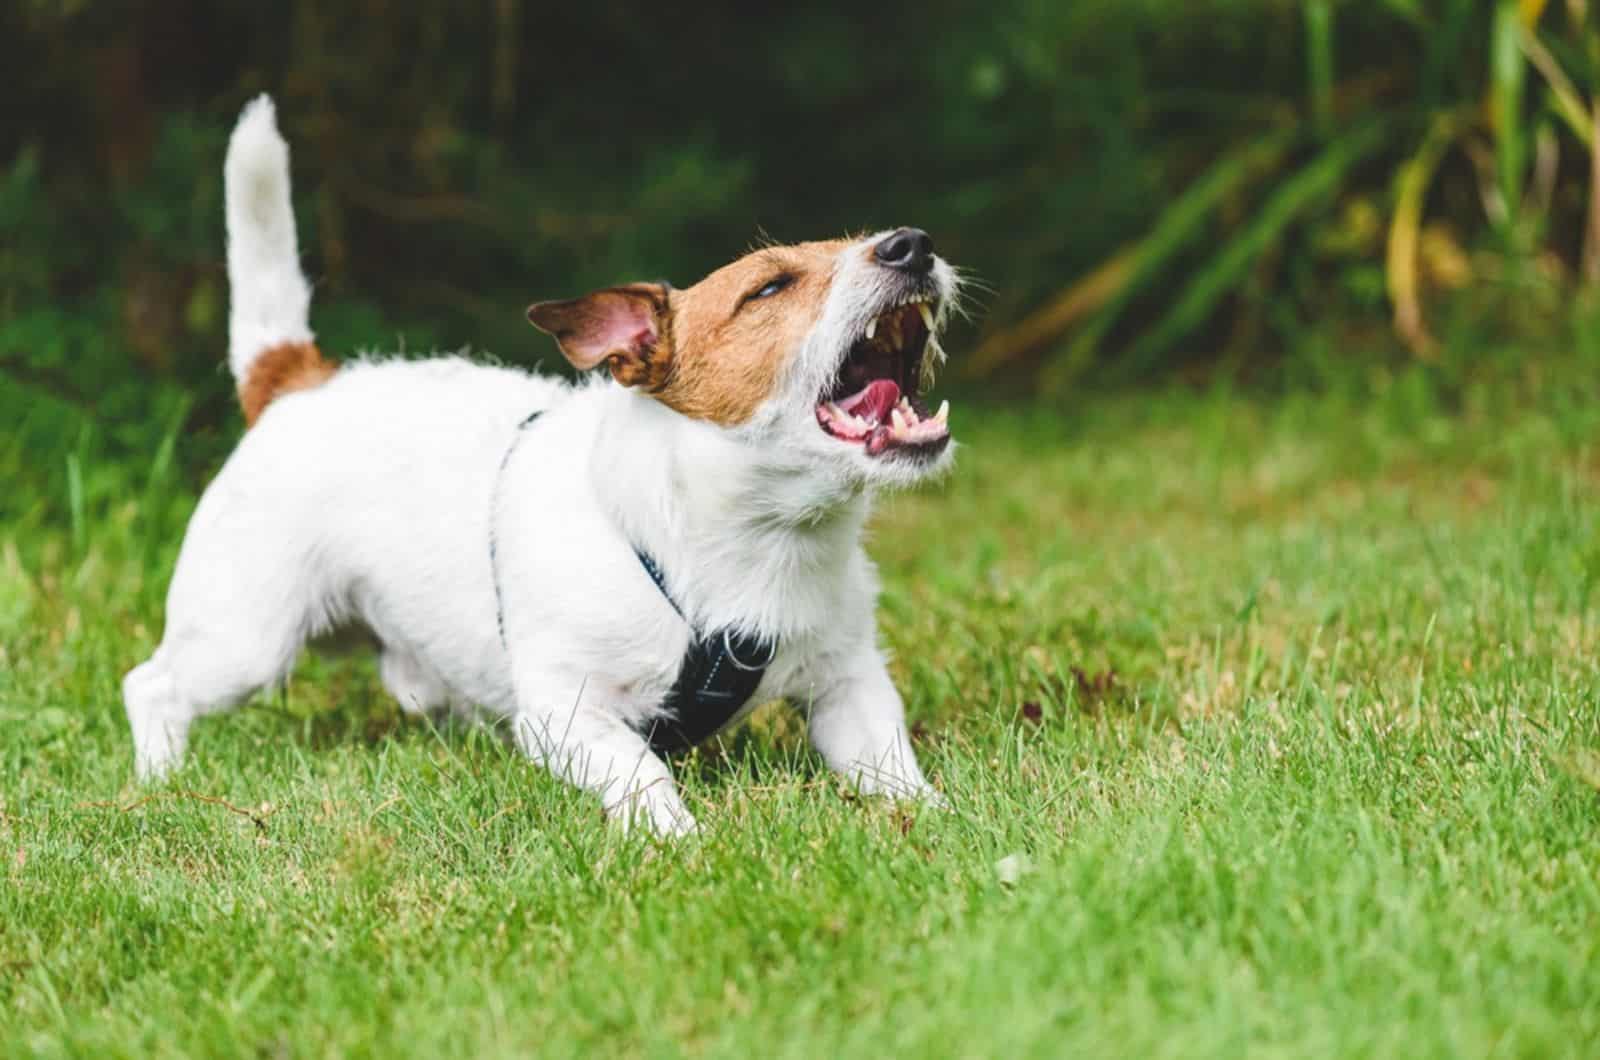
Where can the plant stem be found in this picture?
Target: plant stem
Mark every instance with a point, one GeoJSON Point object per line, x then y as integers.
{"type": "Point", "coordinates": [1319, 64]}
{"type": "Point", "coordinates": [1507, 73]}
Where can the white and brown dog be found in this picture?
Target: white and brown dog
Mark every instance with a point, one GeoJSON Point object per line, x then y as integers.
{"type": "Point", "coordinates": [619, 567]}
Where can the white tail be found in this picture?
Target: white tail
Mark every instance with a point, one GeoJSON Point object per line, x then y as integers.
{"type": "Point", "coordinates": [270, 298]}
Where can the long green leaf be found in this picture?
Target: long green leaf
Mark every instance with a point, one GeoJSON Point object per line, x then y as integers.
{"type": "Point", "coordinates": [1293, 197]}
{"type": "Point", "coordinates": [1182, 220]}
{"type": "Point", "coordinates": [1507, 73]}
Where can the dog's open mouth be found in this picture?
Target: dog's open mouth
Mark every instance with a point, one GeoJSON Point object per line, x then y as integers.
{"type": "Point", "coordinates": [876, 403]}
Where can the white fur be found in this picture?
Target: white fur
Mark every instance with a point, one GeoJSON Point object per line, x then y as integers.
{"type": "Point", "coordinates": [373, 498]}
{"type": "Point", "coordinates": [271, 300]}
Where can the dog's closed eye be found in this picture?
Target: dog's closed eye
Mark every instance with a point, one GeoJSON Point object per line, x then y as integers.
{"type": "Point", "coordinates": [767, 290]}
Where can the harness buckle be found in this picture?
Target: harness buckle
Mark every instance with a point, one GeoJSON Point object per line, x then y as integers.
{"type": "Point", "coordinates": [753, 666]}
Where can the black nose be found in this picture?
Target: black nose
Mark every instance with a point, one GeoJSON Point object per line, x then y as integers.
{"type": "Point", "coordinates": [910, 249]}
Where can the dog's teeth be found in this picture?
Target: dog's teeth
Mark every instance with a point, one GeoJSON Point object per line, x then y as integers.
{"type": "Point", "coordinates": [872, 328]}
{"type": "Point", "coordinates": [899, 420]}
{"type": "Point", "coordinates": [943, 415]}
{"type": "Point", "coordinates": [832, 408]}
{"type": "Point", "coordinates": [927, 315]}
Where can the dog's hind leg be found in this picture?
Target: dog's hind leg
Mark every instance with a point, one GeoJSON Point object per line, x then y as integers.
{"type": "Point", "coordinates": [239, 610]}
{"type": "Point", "coordinates": [180, 683]}
{"type": "Point", "coordinates": [193, 674]}
{"type": "Point", "coordinates": [160, 725]}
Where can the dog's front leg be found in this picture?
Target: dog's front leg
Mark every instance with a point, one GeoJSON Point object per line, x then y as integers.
{"type": "Point", "coordinates": [586, 745]}
{"type": "Point", "coordinates": [859, 727]}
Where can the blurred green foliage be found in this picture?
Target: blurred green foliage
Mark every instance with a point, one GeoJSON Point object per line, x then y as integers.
{"type": "Point", "coordinates": [1139, 186]}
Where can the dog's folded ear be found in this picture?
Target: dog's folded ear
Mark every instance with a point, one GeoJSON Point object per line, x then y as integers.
{"type": "Point", "coordinates": [629, 328]}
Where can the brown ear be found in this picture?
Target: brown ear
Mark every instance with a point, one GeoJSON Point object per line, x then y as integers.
{"type": "Point", "coordinates": [628, 327]}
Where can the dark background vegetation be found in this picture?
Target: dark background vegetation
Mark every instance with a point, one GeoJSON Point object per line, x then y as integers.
{"type": "Point", "coordinates": [1147, 190]}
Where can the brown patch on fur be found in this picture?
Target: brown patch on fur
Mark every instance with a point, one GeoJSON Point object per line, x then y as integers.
{"type": "Point", "coordinates": [731, 349]}
{"type": "Point", "coordinates": [279, 370]}
{"type": "Point", "coordinates": [716, 353]}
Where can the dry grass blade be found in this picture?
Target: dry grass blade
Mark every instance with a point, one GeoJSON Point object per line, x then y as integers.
{"type": "Point", "coordinates": [1591, 244]}
{"type": "Point", "coordinates": [1568, 101]}
{"type": "Point", "coordinates": [259, 819]}
{"type": "Point", "coordinates": [1056, 316]}
{"type": "Point", "coordinates": [1401, 260]}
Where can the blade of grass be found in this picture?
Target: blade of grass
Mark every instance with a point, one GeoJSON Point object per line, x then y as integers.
{"type": "Point", "coordinates": [75, 500]}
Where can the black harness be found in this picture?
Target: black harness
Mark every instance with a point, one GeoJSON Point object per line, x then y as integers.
{"type": "Point", "coordinates": [719, 673]}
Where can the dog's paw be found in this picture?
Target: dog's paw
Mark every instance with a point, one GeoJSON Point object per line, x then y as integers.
{"type": "Point", "coordinates": [157, 749]}
{"type": "Point", "coordinates": [652, 813]}
{"type": "Point", "coordinates": [154, 760]}
{"type": "Point", "coordinates": [892, 781]}
{"type": "Point", "coordinates": [159, 737]}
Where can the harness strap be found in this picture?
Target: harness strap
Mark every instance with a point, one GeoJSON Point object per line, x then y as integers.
{"type": "Point", "coordinates": [652, 568]}
{"type": "Point", "coordinates": [719, 673]}
{"type": "Point", "coordinates": [494, 523]}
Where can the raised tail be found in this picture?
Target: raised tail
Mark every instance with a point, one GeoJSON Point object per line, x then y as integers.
{"type": "Point", "coordinates": [270, 346]}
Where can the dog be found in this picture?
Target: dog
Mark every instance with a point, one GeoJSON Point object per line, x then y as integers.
{"type": "Point", "coordinates": [620, 567]}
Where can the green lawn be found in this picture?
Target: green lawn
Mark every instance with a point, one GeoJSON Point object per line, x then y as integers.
{"type": "Point", "coordinates": [1269, 726]}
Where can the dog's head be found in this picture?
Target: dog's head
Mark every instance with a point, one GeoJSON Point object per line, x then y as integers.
{"type": "Point", "coordinates": [824, 349]}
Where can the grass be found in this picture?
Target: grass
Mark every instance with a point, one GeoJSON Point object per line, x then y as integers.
{"type": "Point", "coordinates": [1270, 726]}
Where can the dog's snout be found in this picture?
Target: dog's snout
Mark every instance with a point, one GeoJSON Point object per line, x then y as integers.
{"type": "Point", "coordinates": [910, 249]}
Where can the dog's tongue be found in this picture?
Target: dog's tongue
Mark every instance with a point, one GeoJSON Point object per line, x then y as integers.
{"type": "Point", "coordinates": [873, 402]}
